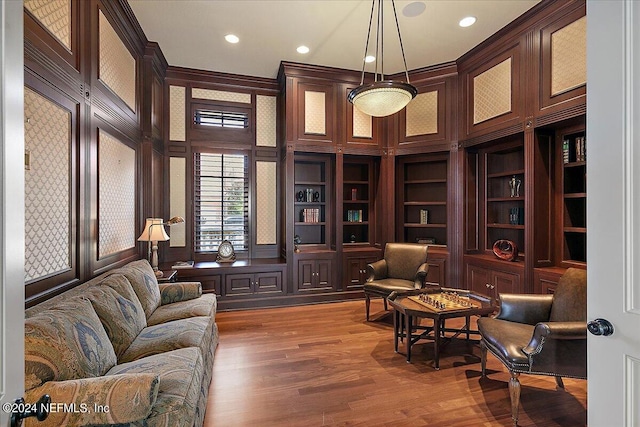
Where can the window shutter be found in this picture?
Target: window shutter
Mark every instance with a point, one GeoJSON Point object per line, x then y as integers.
{"type": "Point", "coordinates": [221, 198]}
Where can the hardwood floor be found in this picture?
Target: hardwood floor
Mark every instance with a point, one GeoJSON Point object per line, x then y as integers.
{"type": "Point", "coordinates": [324, 365]}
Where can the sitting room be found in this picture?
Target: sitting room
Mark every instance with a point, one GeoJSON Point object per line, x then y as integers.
{"type": "Point", "coordinates": [319, 212]}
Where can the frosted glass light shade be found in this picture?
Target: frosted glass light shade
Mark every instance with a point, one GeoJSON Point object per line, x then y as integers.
{"type": "Point", "coordinates": [382, 98]}
{"type": "Point", "coordinates": [153, 231]}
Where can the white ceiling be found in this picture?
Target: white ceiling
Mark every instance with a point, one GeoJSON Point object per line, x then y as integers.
{"type": "Point", "coordinates": [191, 32]}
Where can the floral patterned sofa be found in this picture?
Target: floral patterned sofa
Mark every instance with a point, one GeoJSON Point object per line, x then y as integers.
{"type": "Point", "coordinates": [122, 350]}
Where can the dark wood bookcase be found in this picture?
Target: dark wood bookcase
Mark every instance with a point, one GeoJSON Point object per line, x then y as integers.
{"type": "Point", "coordinates": [312, 201]}
{"type": "Point", "coordinates": [504, 194]}
{"type": "Point", "coordinates": [357, 204]}
{"type": "Point", "coordinates": [572, 143]}
{"type": "Point", "coordinates": [422, 199]}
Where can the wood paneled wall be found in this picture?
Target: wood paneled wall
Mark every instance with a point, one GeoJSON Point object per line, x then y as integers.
{"type": "Point", "coordinates": [70, 73]}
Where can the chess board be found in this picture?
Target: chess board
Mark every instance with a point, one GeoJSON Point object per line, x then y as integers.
{"type": "Point", "coordinates": [444, 301]}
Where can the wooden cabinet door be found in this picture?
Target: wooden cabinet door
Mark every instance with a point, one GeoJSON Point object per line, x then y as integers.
{"type": "Point", "coordinates": [306, 274]}
{"type": "Point", "coordinates": [479, 280]}
{"type": "Point", "coordinates": [323, 274]}
{"type": "Point", "coordinates": [505, 283]}
{"type": "Point", "coordinates": [352, 273]}
{"type": "Point", "coordinates": [268, 282]}
{"type": "Point", "coordinates": [238, 284]}
{"type": "Point", "coordinates": [212, 284]}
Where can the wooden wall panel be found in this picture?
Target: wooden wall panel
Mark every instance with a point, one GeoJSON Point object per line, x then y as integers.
{"type": "Point", "coordinates": [70, 77]}
{"type": "Point", "coordinates": [562, 66]}
{"type": "Point", "coordinates": [502, 73]}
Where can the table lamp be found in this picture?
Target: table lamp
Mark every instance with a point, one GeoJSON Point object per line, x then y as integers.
{"type": "Point", "coordinates": [153, 233]}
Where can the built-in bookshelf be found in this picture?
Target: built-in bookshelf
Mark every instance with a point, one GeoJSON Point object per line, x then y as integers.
{"type": "Point", "coordinates": [504, 189]}
{"type": "Point", "coordinates": [311, 201]}
{"type": "Point", "coordinates": [574, 198]}
{"type": "Point", "coordinates": [422, 194]}
{"type": "Point", "coordinates": [357, 201]}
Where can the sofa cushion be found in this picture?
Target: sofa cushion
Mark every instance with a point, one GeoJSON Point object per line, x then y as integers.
{"type": "Point", "coordinates": [180, 373]}
{"type": "Point", "coordinates": [193, 332]}
{"type": "Point", "coordinates": [144, 283]}
{"type": "Point", "coordinates": [122, 318]}
{"type": "Point", "coordinates": [121, 285]}
{"type": "Point", "coordinates": [177, 292]}
{"type": "Point", "coordinates": [128, 398]}
{"type": "Point", "coordinates": [66, 342]}
{"type": "Point", "coordinates": [203, 306]}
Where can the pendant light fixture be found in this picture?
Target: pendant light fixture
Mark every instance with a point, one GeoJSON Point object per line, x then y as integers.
{"type": "Point", "coordinates": [382, 97]}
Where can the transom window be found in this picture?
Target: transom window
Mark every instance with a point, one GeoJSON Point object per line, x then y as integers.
{"type": "Point", "coordinates": [222, 119]}
{"type": "Point", "coordinates": [221, 187]}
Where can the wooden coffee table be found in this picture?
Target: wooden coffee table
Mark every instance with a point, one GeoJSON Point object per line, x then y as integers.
{"type": "Point", "coordinates": [437, 304]}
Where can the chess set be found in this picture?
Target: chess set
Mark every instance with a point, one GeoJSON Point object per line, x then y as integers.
{"type": "Point", "coordinates": [443, 301]}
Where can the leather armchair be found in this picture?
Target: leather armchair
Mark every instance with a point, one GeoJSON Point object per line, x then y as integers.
{"type": "Point", "coordinates": [539, 334]}
{"type": "Point", "coordinates": [403, 268]}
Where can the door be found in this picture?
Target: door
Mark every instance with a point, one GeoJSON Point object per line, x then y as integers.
{"type": "Point", "coordinates": [613, 211]}
{"type": "Point", "coordinates": [12, 202]}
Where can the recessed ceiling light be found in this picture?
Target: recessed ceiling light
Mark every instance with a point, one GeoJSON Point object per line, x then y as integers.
{"type": "Point", "coordinates": [302, 49]}
{"type": "Point", "coordinates": [231, 38]}
{"type": "Point", "coordinates": [369, 58]}
{"type": "Point", "coordinates": [414, 9]}
{"type": "Point", "coordinates": [468, 21]}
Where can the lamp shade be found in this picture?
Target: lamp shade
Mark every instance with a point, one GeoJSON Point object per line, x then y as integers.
{"type": "Point", "coordinates": [153, 231]}
{"type": "Point", "coordinates": [382, 98]}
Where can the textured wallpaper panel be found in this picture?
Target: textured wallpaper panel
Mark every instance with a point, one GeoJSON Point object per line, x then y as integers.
{"type": "Point", "coordinates": [362, 124]}
{"type": "Point", "coordinates": [569, 57]}
{"type": "Point", "coordinates": [48, 138]}
{"type": "Point", "coordinates": [55, 15]}
{"type": "Point", "coordinates": [422, 114]}
{"type": "Point", "coordinates": [492, 92]}
{"type": "Point", "coordinates": [177, 113]}
{"type": "Point", "coordinates": [266, 203]}
{"type": "Point", "coordinates": [116, 195]}
{"type": "Point", "coordinates": [220, 95]}
{"type": "Point", "coordinates": [314, 113]}
{"type": "Point", "coordinates": [177, 199]}
{"type": "Point", "coordinates": [117, 66]}
{"type": "Point", "coordinates": [266, 121]}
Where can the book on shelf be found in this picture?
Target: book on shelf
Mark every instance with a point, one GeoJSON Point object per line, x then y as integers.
{"type": "Point", "coordinates": [182, 264]}
{"type": "Point", "coordinates": [310, 215]}
{"type": "Point", "coordinates": [354, 215]}
{"type": "Point", "coordinates": [424, 216]}
{"type": "Point", "coordinates": [565, 151]}
{"type": "Point", "coordinates": [516, 216]}
{"type": "Point", "coordinates": [581, 155]}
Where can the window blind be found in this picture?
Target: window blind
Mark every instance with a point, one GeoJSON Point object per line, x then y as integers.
{"type": "Point", "coordinates": [221, 119]}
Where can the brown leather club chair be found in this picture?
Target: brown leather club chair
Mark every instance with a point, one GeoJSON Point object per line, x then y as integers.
{"type": "Point", "coordinates": [403, 268]}
{"type": "Point", "coordinates": [540, 334]}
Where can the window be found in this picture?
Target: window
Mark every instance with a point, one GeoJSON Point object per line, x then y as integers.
{"type": "Point", "coordinates": [221, 119]}
{"type": "Point", "coordinates": [221, 201]}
